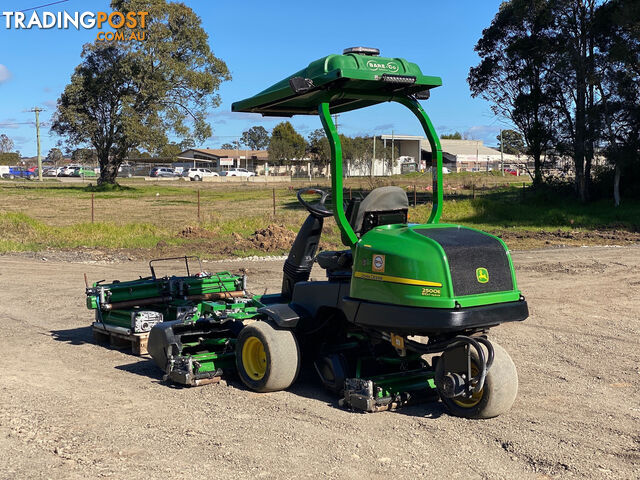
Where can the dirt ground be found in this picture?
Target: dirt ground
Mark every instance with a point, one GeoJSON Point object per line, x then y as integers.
{"type": "Point", "coordinates": [76, 410]}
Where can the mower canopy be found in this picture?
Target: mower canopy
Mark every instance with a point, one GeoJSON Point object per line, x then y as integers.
{"type": "Point", "coordinates": [340, 83]}
{"type": "Point", "coordinates": [347, 82]}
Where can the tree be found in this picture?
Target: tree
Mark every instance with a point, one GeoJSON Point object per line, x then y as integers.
{"type": "Point", "coordinates": [129, 94]}
{"type": "Point", "coordinates": [6, 144]}
{"type": "Point", "coordinates": [286, 144]}
{"type": "Point", "coordinates": [451, 136]}
{"type": "Point", "coordinates": [511, 142]}
{"type": "Point", "coordinates": [83, 155]}
{"type": "Point", "coordinates": [572, 74]}
{"type": "Point", "coordinates": [514, 72]}
{"type": "Point", "coordinates": [617, 26]}
{"type": "Point", "coordinates": [54, 156]}
{"type": "Point", "coordinates": [170, 150]}
{"type": "Point", "coordinates": [9, 158]}
{"type": "Point", "coordinates": [318, 148]}
{"type": "Point", "coordinates": [256, 138]}
{"type": "Point", "coordinates": [187, 143]}
{"type": "Point", "coordinates": [227, 146]}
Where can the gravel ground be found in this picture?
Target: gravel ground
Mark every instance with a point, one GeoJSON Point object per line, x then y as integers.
{"type": "Point", "coordinates": [73, 409]}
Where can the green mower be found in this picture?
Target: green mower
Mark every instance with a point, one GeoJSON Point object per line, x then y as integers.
{"type": "Point", "coordinates": [404, 312]}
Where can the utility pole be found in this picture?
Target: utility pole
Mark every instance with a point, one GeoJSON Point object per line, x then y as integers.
{"type": "Point", "coordinates": [393, 151]}
{"type": "Point", "coordinates": [37, 111]}
{"type": "Point", "coordinates": [335, 120]}
{"type": "Point", "coordinates": [373, 160]}
{"type": "Point", "coordinates": [501, 155]}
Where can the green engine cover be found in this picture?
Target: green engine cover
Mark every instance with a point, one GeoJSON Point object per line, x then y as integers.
{"type": "Point", "coordinates": [432, 265]}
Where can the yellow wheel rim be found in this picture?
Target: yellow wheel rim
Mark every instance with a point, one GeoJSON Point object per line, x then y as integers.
{"type": "Point", "coordinates": [254, 358]}
{"type": "Point", "coordinates": [475, 398]}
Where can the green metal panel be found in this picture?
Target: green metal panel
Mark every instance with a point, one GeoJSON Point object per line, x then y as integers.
{"type": "Point", "coordinates": [346, 82]}
{"type": "Point", "coordinates": [414, 272]}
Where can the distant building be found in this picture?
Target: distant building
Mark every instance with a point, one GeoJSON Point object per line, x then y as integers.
{"type": "Point", "coordinates": [220, 160]}
{"type": "Point", "coordinates": [457, 155]}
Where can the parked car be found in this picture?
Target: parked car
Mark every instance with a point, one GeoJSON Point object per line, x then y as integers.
{"type": "Point", "coordinates": [238, 172]}
{"type": "Point", "coordinates": [511, 171]}
{"type": "Point", "coordinates": [18, 172]}
{"type": "Point", "coordinates": [69, 169]}
{"type": "Point", "coordinates": [197, 174]}
{"type": "Point", "coordinates": [125, 170]}
{"type": "Point", "coordinates": [162, 172]}
{"type": "Point", "coordinates": [83, 172]}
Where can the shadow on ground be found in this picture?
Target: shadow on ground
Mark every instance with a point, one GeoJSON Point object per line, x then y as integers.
{"type": "Point", "coordinates": [74, 336]}
{"type": "Point", "coordinates": [145, 367]}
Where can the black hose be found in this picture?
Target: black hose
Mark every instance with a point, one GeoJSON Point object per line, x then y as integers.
{"type": "Point", "coordinates": [487, 344]}
{"type": "Point", "coordinates": [484, 365]}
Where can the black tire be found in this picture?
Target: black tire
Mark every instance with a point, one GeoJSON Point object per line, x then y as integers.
{"type": "Point", "coordinates": [11, 177]}
{"type": "Point", "coordinates": [499, 391]}
{"type": "Point", "coordinates": [196, 178]}
{"type": "Point", "coordinates": [273, 368]}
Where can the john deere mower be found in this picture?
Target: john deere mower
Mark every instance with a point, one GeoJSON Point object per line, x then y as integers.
{"type": "Point", "coordinates": [405, 309]}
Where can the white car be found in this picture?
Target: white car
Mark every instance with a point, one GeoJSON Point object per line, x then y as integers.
{"type": "Point", "coordinates": [238, 172]}
{"type": "Point", "coordinates": [197, 174]}
{"type": "Point", "coordinates": [69, 170]}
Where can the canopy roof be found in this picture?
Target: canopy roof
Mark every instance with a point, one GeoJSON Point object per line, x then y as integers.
{"type": "Point", "coordinates": [347, 82]}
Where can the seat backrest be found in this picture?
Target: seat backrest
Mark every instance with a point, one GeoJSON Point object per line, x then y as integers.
{"type": "Point", "coordinates": [383, 206]}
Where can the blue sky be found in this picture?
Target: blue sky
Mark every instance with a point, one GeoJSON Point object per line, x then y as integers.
{"type": "Point", "coordinates": [262, 42]}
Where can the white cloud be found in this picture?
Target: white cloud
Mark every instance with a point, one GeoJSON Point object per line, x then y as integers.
{"type": "Point", "coordinates": [486, 133]}
{"type": "Point", "coordinates": [5, 74]}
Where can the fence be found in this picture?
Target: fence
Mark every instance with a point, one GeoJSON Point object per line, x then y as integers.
{"type": "Point", "coordinates": [192, 207]}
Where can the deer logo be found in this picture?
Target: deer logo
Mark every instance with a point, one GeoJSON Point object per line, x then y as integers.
{"type": "Point", "coordinates": [482, 275]}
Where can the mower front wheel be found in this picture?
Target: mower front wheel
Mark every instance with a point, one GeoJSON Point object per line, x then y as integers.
{"type": "Point", "coordinates": [268, 359]}
{"type": "Point", "coordinates": [496, 396]}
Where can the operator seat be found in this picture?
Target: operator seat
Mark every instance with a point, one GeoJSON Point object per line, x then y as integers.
{"type": "Point", "coordinates": [383, 206]}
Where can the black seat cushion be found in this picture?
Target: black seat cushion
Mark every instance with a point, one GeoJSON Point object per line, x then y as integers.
{"type": "Point", "coordinates": [333, 261]}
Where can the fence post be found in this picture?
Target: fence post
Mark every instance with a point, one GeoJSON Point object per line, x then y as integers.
{"type": "Point", "coordinates": [274, 201]}
{"type": "Point", "coordinates": [349, 193]}
{"type": "Point", "coordinates": [473, 189]}
{"type": "Point", "coordinates": [198, 205]}
{"type": "Point", "coordinates": [415, 197]}
{"type": "Point", "coordinates": [92, 210]}
{"type": "Point", "coordinates": [523, 184]}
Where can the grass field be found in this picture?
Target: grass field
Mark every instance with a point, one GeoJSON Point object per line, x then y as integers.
{"type": "Point", "coordinates": [164, 216]}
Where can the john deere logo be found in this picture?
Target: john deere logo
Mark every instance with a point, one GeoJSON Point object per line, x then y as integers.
{"type": "Point", "coordinates": [387, 67]}
{"type": "Point", "coordinates": [482, 275]}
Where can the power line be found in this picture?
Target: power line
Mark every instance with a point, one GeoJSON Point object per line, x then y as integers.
{"type": "Point", "coordinates": [42, 6]}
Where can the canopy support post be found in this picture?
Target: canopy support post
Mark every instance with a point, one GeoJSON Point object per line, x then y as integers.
{"type": "Point", "coordinates": [436, 153]}
{"type": "Point", "coordinates": [349, 237]}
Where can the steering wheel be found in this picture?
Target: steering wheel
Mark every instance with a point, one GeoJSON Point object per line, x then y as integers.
{"type": "Point", "coordinates": [318, 209]}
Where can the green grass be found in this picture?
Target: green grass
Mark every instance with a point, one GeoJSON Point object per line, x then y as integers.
{"type": "Point", "coordinates": [21, 233]}
{"type": "Point", "coordinates": [141, 217]}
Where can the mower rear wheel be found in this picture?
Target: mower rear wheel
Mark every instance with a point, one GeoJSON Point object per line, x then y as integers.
{"type": "Point", "coordinates": [496, 396]}
{"type": "Point", "coordinates": [268, 359]}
